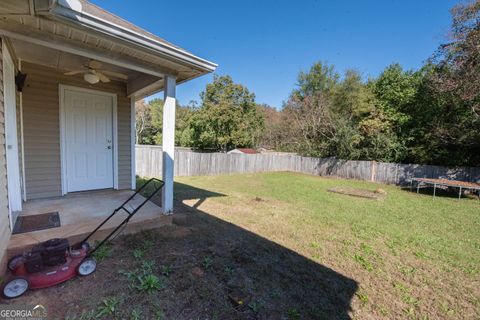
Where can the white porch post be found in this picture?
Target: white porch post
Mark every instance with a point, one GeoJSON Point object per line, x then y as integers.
{"type": "Point", "coordinates": [168, 143]}
{"type": "Point", "coordinates": [133, 133]}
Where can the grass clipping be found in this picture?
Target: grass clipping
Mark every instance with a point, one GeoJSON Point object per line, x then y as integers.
{"type": "Point", "coordinates": [378, 194]}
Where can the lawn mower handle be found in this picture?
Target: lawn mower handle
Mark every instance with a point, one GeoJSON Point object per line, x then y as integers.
{"type": "Point", "coordinates": [122, 207]}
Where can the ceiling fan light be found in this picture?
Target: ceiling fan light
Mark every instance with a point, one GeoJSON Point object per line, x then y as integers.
{"type": "Point", "coordinates": [91, 78]}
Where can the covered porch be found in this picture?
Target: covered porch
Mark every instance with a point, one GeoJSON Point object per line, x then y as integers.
{"type": "Point", "coordinates": [72, 73]}
{"type": "Point", "coordinates": [81, 212]}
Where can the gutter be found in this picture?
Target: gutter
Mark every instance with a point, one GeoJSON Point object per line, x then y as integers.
{"type": "Point", "coordinates": [71, 10]}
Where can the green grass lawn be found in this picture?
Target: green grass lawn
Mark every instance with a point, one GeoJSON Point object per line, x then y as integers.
{"type": "Point", "coordinates": [280, 246]}
{"type": "Point", "coordinates": [412, 255]}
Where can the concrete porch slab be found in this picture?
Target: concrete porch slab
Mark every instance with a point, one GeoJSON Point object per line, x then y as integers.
{"type": "Point", "coordinates": [82, 212]}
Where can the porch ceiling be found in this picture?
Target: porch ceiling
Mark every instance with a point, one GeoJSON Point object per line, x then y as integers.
{"type": "Point", "coordinates": [64, 61]}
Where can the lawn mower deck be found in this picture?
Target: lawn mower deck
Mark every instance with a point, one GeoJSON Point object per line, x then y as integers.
{"type": "Point", "coordinates": [53, 275]}
{"type": "Point", "coordinates": [47, 264]}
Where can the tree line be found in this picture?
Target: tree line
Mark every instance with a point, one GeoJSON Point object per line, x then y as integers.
{"type": "Point", "coordinates": [227, 117]}
{"type": "Point", "coordinates": [426, 116]}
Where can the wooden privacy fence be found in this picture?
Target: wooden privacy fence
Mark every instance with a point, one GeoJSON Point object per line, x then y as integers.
{"type": "Point", "coordinates": [189, 163]}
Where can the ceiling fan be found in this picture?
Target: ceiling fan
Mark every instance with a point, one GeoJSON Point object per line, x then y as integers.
{"type": "Point", "coordinates": [92, 73]}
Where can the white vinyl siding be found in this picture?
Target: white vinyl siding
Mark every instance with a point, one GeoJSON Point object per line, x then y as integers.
{"type": "Point", "coordinates": [4, 219]}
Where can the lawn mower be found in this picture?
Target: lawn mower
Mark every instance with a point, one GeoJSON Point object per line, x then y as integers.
{"type": "Point", "coordinates": [55, 261]}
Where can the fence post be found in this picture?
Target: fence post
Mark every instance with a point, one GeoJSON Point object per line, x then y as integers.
{"type": "Point", "coordinates": [374, 171]}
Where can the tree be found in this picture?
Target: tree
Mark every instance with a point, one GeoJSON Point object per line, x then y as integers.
{"type": "Point", "coordinates": [182, 119]}
{"type": "Point", "coordinates": [321, 78]}
{"type": "Point", "coordinates": [271, 137]}
{"type": "Point", "coordinates": [340, 117]}
{"type": "Point", "coordinates": [143, 123]}
{"type": "Point", "coordinates": [459, 59]}
{"type": "Point", "coordinates": [149, 122]}
{"type": "Point", "coordinates": [396, 91]}
{"type": "Point", "coordinates": [362, 116]}
{"type": "Point", "coordinates": [228, 117]}
{"type": "Point", "coordinates": [352, 97]}
{"type": "Point", "coordinates": [443, 130]}
{"type": "Point", "coordinates": [312, 126]}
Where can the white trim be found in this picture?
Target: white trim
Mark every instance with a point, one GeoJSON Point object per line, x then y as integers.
{"type": "Point", "coordinates": [126, 34]}
{"type": "Point", "coordinates": [168, 143]}
{"type": "Point", "coordinates": [115, 142]}
{"type": "Point", "coordinates": [133, 133]}
{"type": "Point", "coordinates": [73, 4]}
{"type": "Point", "coordinates": [22, 139]}
{"type": "Point", "coordinates": [31, 7]}
{"type": "Point", "coordinates": [63, 160]}
{"type": "Point", "coordinates": [11, 137]}
{"type": "Point", "coordinates": [83, 52]}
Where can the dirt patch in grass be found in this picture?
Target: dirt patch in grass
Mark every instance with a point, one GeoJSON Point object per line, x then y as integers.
{"type": "Point", "coordinates": [378, 194]}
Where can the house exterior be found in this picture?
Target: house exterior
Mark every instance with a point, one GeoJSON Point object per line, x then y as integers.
{"type": "Point", "coordinates": [70, 73]}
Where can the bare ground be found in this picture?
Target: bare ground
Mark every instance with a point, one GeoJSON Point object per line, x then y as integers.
{"type": "Point", "coordinates": [216, 270]}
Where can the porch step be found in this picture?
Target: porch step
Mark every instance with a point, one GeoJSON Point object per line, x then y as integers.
{"type": "Point", "coordinates": [76, 232]}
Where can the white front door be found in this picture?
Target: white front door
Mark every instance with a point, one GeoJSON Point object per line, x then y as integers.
{"type": "Point", "coordinates": [88, 141]}
{"type": "Point", "coordinates": [13, 169]}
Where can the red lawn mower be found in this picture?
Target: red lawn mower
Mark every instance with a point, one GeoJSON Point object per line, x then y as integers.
{"type": "Point", "coordinates": [55, 261]}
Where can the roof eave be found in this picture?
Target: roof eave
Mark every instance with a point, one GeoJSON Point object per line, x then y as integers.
{"type": "Point", "coordinates": [64, 10]}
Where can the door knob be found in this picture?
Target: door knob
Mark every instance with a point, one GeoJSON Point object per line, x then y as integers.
{"type": "Point", "coordinates": [109, 147]}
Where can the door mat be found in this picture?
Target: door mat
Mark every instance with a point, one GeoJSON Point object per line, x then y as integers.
{"type": "Point", "coordinates": [36, 222]}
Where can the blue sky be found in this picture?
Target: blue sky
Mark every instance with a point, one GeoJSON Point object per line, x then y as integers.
{"type": "Point", "coordinates": [263, 44]}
